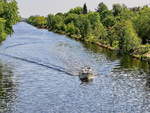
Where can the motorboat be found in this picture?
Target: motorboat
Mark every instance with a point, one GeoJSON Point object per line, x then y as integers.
{"type": "Point", "coordinates": [86, 74]}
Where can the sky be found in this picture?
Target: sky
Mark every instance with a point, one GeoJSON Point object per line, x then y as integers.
{"type": "Point", "coordinates": [45, 7]}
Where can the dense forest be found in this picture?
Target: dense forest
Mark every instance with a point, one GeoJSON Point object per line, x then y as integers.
{"type": "Point", "coordinates": [9, 16]}
{"type": "Point", "coordinates": [121, 28]}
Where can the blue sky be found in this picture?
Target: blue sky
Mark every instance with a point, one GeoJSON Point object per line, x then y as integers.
{"type": "Point", "coordinates": [44, 7]}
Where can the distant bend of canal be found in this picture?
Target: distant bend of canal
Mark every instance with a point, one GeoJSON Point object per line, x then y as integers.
{"type": "Point", "coordinates": [38, 74]}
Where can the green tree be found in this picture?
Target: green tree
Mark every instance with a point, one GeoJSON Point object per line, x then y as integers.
{"type": "Point", "coordinates": [127, 36]}
{"type": "Point", "coordinates": [71, 29]}
{"type": "Point", "coordinates": [112, 37]}
{"type": "Point", "coordinates": [51, 21]}
{"type": "Point", "coordinates": [70, 18]}
{"type": "Point", "coordinates": [103, 11]}
{"type": "Point", "coordinates": [59, 23]}
{"type": "Point", "coordinates": [117, 9]}
{"type": "Point", "coordinates": [97, 30]}
{"type": "Point", "coordinates": [101, 7]}
{"type": "Point", "coordinates": [83, 25]}
{"type": "Point", "coordinates": [109, 21]}
{"type": "Point", "coordinates": [142, 24]}
{"type": "Point", "coordinates": [11, 15]}
{"type": "Point", "coordinates": [77, 10]}
{"type": "Point", "coordinates": [8, 17]}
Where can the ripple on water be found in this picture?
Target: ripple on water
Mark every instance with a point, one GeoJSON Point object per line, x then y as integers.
{"type": "Point", "coordinates": [28, 85]}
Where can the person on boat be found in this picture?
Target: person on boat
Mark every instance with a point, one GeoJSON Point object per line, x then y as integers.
{"type": "Point", "coordinates": [86, 70]}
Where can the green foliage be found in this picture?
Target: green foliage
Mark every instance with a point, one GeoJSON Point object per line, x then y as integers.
{"type": "Point", "coordinates": [83, 24]}
{"type": "Point", "coordinates": [71, 29]}
{"type": "Point", "coordinates": [142, 24]}
{"type": "Point", "coordinates": [127, 37]}
{"type": "Point", "coordinates": [59, 23]}
{"type": "Point", "coordinates": [97, 29]}
{"type": "Point", "coordinates": [117, 9]}
{"type": "Point", "coordinates": [103, 11]}
{"type": "Point", "coordinates": [121, 27]}
{"type": "Point", "coordinates": [112, 37]}
{"type": "Point", "coordinates": [2, 29]}
{"type": "Point", "coordinates": [109, 21]}
{"type": "Point", "coordinates": [77, 10]}
{"type": "Point", "coordinates": [8, 17]}
{"type": "Point", "coordinates": [101, 7]}
{"type": "Point", "coordinates": [37, 20]}
{"type": "Point", "coordinates": [70, 18]}
{"type": "Point", "coordinates": [1, 7]}
{"type": "Point", "coordinates": [50, 21]}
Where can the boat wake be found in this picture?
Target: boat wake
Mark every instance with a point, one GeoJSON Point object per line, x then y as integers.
{"type": "Point", "coordinates": [51, 66]}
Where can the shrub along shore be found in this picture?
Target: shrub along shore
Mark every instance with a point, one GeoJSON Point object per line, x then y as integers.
{"type": "Point", "coordinates": [126, 30]}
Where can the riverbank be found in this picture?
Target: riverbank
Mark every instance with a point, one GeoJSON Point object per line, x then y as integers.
{"type": "Point", "coordinates": [142, 57]}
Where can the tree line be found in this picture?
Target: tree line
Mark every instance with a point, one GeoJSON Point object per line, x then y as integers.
{"type": "Point", "coordinates": [121, 28]}
{"type": "Point", "coordinates": [9, 16]}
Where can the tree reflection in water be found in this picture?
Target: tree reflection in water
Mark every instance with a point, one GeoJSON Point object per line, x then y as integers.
{"type": "Point", "coordinates": [7, 89]}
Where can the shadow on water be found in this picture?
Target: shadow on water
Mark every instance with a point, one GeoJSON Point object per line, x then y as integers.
{"type": "Point", "coordinates": [126, 61]}
{"type": "Point", "coordinates": [7, 89]}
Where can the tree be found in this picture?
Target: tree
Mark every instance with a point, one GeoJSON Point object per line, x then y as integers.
{"type": "Point", "coordinates": [39, 21]}
{"type": "Point", "coordinates": [83, 24]}
{"type": "Point", "coordinates": [109, 21]}
{"type": "Point", "coordinates": [85, 11]}
{"type": "Point", "coordinates": [117, 9]}
{"type": "Point", "coordinates": [11, 15]}
{"type": "Point", "coordinates": [112, 37]}
{"type": "Point", "coordinates": [77, 10]}
{"type": "Point", "coordinates": [8, 17]}
{"type": "Point", "coordinates": [70, 18]}
{"type": "Point", "coordinates": [127, 36]}
{"type": "Point", "coordinates": [50, 21]}
{"type": "Point", "coordinates": [101, 7]}
{"type": "Point", "coordinates": [103, 11]}
{"type": "Point", "coordinates": [97, 29]}
{"type": "Point", "coordinates": [142, 24]}
{"type": "Point", "coordinates": [71, 29]}
{"type": "Point", "coordinates": [58, 23]}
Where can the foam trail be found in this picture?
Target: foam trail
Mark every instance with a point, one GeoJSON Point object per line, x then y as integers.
{"type": "Point", "coordinates": [54, 67]}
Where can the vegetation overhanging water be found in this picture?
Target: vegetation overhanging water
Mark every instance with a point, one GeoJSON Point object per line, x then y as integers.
{"type": "Point", "coordinates": [122, 28]}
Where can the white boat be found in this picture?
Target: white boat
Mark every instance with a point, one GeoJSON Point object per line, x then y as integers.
{"type": "Point", "coordinates": [86, 74]}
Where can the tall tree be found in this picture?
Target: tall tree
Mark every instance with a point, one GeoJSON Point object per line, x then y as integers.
{"type": "Point", "coordinates": [101, 7]}
{"type": "Point", "coordinates": [103, 11]}
{"type": "Point", "coordinates": [85, 11]}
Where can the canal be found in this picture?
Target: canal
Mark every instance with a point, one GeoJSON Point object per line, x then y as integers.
{"type": "Point", "coordinates": [38, 74]}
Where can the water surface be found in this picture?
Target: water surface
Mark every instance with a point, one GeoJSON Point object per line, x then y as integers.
{"type": "Point", "coordinates": [38, 74]}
